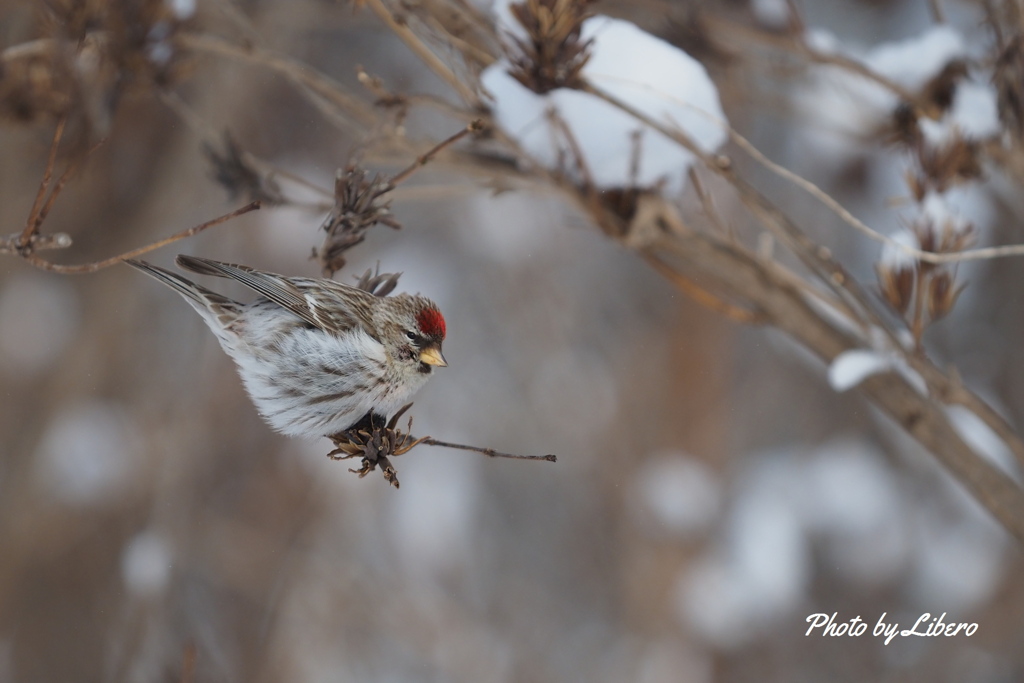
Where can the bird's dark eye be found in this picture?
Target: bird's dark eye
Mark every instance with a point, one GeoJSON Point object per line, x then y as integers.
{"type": "Point", "coordinates": [411, 336]}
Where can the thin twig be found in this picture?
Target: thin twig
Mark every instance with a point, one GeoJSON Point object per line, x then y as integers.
{"type": "Point", "coordinates": [68, 173]}
{"type": "Point", "coordinates": [33, 222]}
{"type": "Point", "coordinates": [413, 42]}
{"type": "Point", "coordinates": [324, 87]}
{"type": "Point", "coordinates": [490, 452]}
{"type": "Point", "coordinates": [981, 254]}
{"type": "Point", "coordinates": [825, 198]}
{"type": "Point", "coordinates": [12, 243]}
{"type": "Point", "coordinates": [422, 160]}
{"type": "Point", "coordinates": [106, 263]}
{"type": "Point", "coordinates": [814, 256]}
{"type": "Point", "coordinates": [920, 415]}
{"type": "Point", "coordinates": [745, 34]}
{"type": "Point", "coordinates": [558, 123]}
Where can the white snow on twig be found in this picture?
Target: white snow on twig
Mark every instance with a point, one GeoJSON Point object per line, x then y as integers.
{"type": "Point", "coordinates": [983, 440]}
{"type": "Point", "coordinates": [852, 367]}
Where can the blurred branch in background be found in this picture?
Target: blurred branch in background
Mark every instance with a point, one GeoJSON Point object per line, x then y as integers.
{"type": "Point", "coordinates": [620, 114]}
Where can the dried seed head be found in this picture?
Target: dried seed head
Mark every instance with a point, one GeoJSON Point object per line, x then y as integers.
{"type": "Point", "coordinates": [375, 443]}
{"type": "Point", "coordinates": [940, 90]}
{"type": "Point", "coordinates": [552, 54]}
{"type": "Point", "coordinates": [897, 285]}
{"type": "Point", "coordinates": [942, 293]}
{"type": "Point", "coordinates": [358, 206]}
{"type": "Point", "coordinates": [938, 230]}
{"type": "Point", "coordinates": [945, 165]}
{"type": "Point", "coordinates": [234, 169]}
{"type": "Point", "coordinates": [905, 130]}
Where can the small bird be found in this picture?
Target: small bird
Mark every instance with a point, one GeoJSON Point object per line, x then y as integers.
{"type": "Point", "coordinates": [316, 356]}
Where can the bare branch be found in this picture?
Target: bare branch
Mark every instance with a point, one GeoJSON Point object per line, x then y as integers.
{"type": "Point", "coordinates": [432, 61]}
{"type": "Point", "coordinates": [114, 260]}
{"type": "Point", "coordinates": [490, 452]}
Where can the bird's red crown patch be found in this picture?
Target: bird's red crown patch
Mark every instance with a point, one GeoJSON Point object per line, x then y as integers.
{"type": "Point", "coordinates": [431, 322]}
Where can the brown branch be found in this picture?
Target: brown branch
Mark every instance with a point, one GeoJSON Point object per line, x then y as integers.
{"type": "Point", "coordinates": [11, 244]}
{"type": "Point", "coordinates": [422, 160]}
{"type": "Point", "coordinates": [814, 256]}
{"type": "Point", "coordinates": [744, 35]}
{"type": "Point", "coordinates": [490, 452]}
{"type": "Point", "coordinates": [745, 277]}
{"type": "Point", "coordinates": [106, 263]}
{"type": "Point", "coordinates": [352, 111]}
{"type": "Point", "coordinates": [431, 60]}
{"type": "Point", "coordinates": [34, 221]}
{"type": "Point", "coordinates": [68, 173]}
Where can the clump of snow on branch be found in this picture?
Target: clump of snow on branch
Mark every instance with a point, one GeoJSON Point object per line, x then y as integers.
{"type": "Point", "coordinates": [852, 367]}
{"type": "Point", "coordinates": [973, 115]}
{"type": "Point", "coordinates": [658, 79]}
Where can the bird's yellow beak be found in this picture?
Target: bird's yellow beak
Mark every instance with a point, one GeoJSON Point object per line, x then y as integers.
{"type": "Point", "coordinates": [432, 356]}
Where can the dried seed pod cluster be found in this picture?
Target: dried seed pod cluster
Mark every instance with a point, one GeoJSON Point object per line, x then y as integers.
{"type": "Point", "coordinates": [552, 54]}
{"type": "Point", "coordinates": [358, 206]}
{"type": "Point", "coordinates": [375, 443]}
{"type": "Point", "coordinates": [920, 291]}
{"type": "Point", "coordinates": [942, 156]}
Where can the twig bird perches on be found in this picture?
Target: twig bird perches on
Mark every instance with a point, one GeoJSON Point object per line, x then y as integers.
{"type": "Point", "coordinates": [377, 443]}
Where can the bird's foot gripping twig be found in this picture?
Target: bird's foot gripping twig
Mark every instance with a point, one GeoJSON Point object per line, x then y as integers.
{"type": "Point", "coordinates": [376, 442]}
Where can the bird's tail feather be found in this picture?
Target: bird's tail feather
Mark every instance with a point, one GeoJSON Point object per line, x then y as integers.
{"type": "Point", "coordinates": [203, 299]}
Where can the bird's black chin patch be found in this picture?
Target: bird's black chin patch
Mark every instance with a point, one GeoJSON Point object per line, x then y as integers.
{"type": "Point", "coordinates": [425, 369]}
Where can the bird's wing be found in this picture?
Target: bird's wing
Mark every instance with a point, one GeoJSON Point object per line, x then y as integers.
{"type": "Point", "coordinates": [337, 307]}
{"type": "Point", "coordinates": [294, 294]}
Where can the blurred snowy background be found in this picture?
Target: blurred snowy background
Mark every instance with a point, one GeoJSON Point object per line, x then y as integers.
{"type": "Point", "coordinates": [712, 490]}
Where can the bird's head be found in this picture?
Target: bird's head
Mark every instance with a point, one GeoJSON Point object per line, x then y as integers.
{"type": "Point", "coordinates": [419, 332]}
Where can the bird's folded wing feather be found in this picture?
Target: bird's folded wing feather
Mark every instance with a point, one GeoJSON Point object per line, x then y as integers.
{"type": "Point", "coordinates": [292, 294]}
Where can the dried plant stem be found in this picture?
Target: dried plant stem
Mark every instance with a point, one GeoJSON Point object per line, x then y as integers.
{"type": "Point", "coordinates": [490, 452]}
{"type": "Point", "coordinates": [413, 42]}
{"type": "Point", "coordinates": [422, 160]}
{"type": "Point", "coordinates": [814, 256]}
{"type": "Point", "coordinates": [744, 275]}
{"type": "Point", "coordinates": [352, 111]}
{"type": "Point", "coordinates": [980, 254]}
{"type": "Point", "coordinates": [749, 278]}
{"type": "Point", "coordinates": [859, 225]}
{"type": "Point", "coordinates": [12, 243]}
{"type": "Point", "coordinates": [106, 263]}
{"type": "Point", "coordinates": [34, 220]}
{"type": "Point", "coordinates": [748, 35]}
